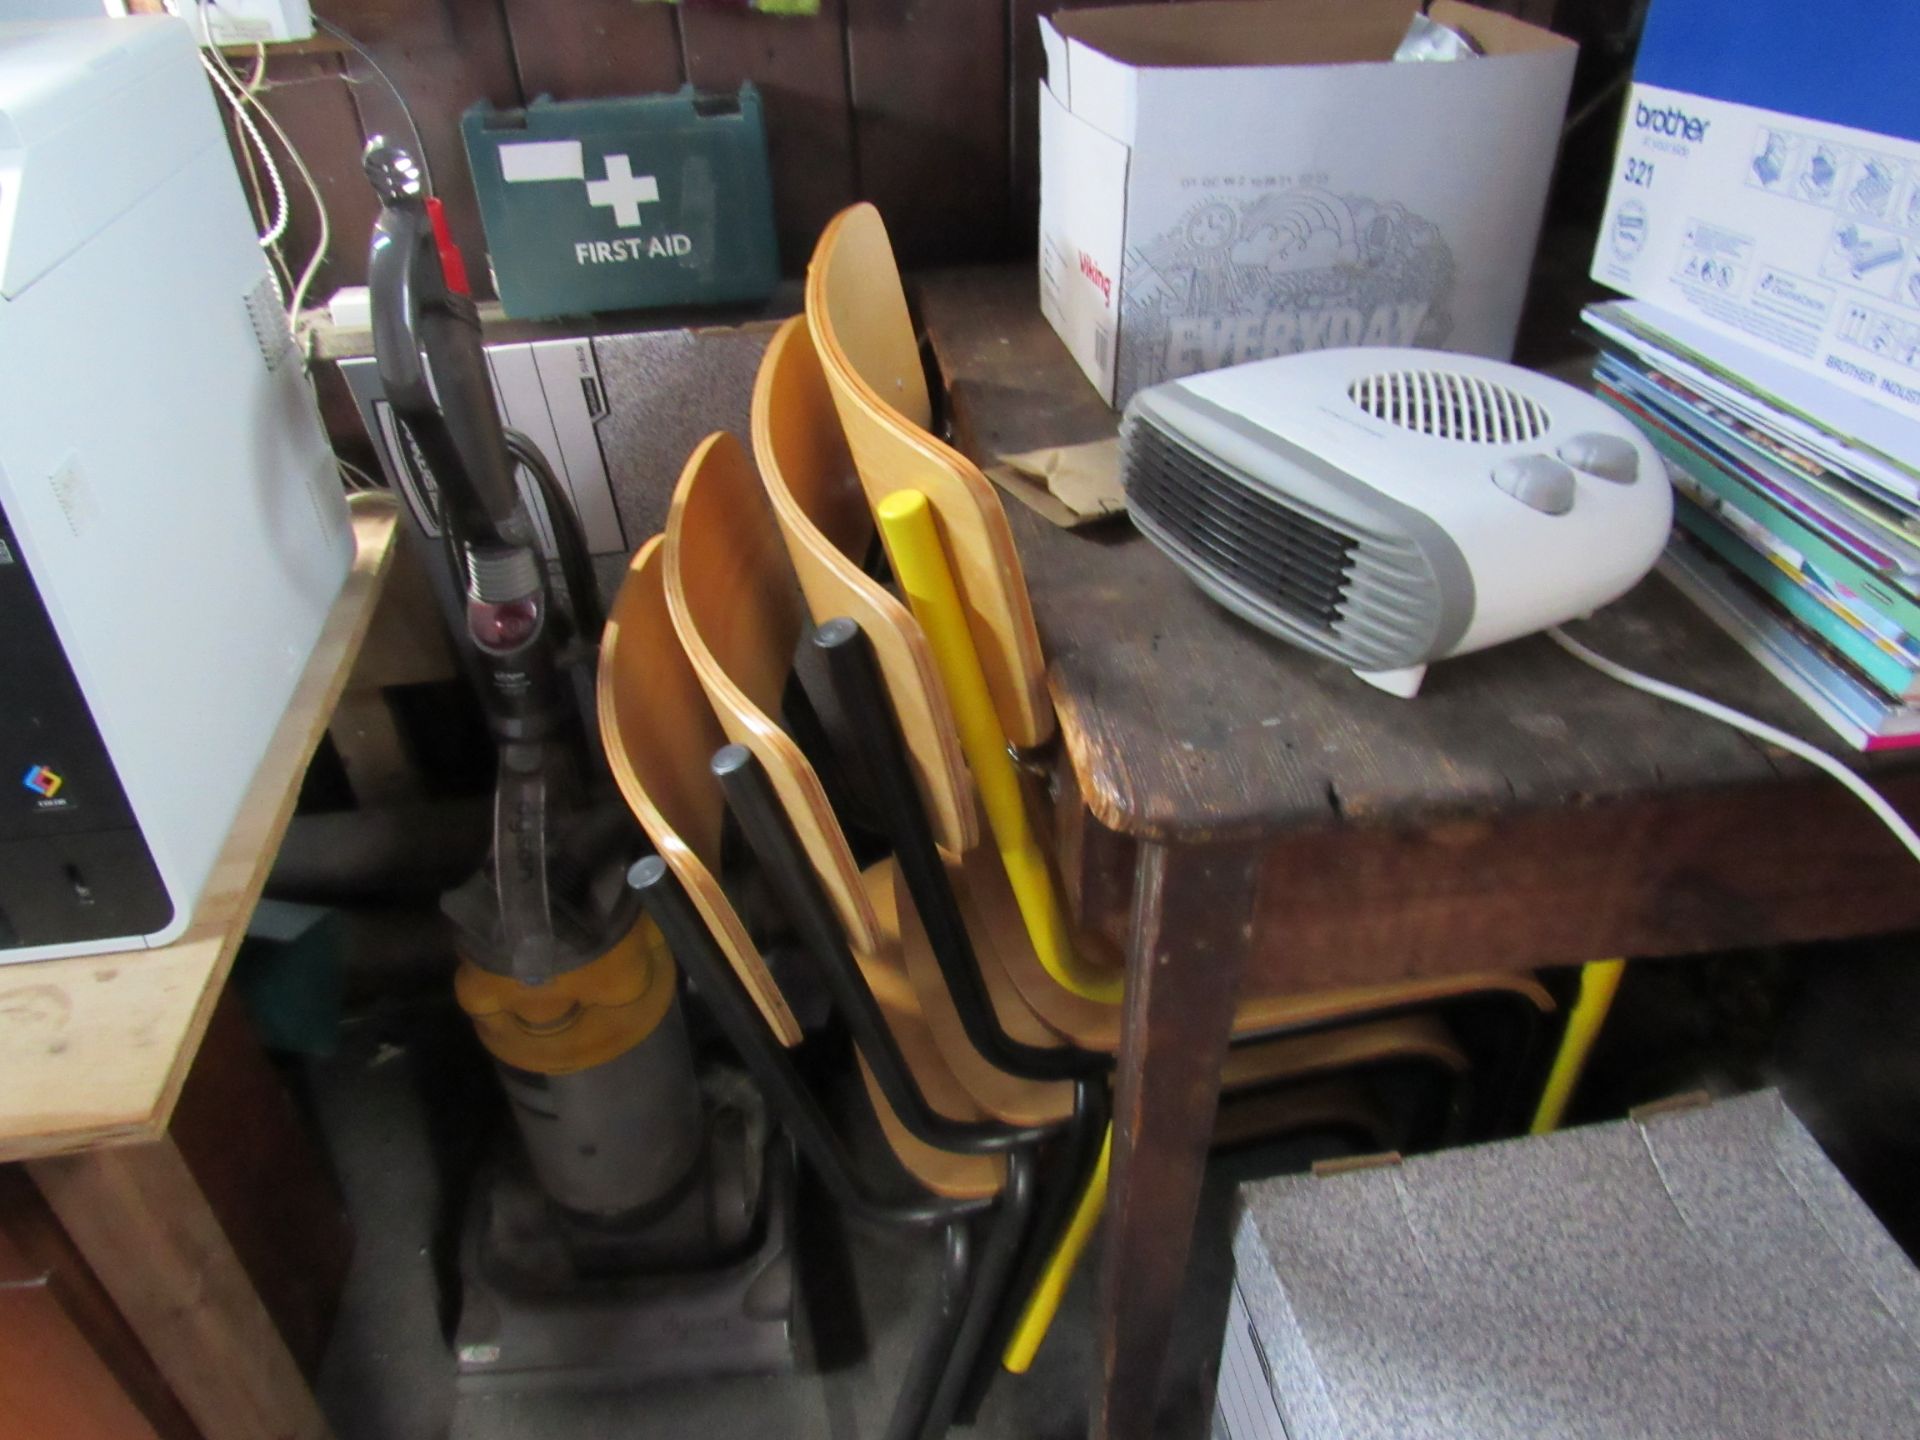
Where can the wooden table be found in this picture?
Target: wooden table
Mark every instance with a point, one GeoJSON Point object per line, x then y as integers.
{"type": "Point", "coordinates": [95, 1052]}
{"type": "Point", "coordinates": [1245, 819]}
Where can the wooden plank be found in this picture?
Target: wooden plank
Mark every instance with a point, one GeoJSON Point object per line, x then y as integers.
{"type": "Point", "coordinates": [929, 83]}
{"type": "Point", "coordinates": [799, 64]}
{"type": "Point", "coordinates": [593, 49]}
{"type": "Point", "coordinates": [142, 1221]}
{"type": "Point", "coordinates": [1182, 721]}
{"type": "Point", "coordinates": [44, 1256]}
{"type": "Point", "coordinates": [94, 1049]}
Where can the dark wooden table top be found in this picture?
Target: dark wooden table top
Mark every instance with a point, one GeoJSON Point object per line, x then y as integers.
{"type": "Point", "coordinates": [1184, 723]}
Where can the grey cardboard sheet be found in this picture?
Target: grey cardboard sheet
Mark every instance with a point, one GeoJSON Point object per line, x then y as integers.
{"type": "Point", "coordinates": [1702, 1275]}
{"type": "Point", "coordinates": [667, 390]}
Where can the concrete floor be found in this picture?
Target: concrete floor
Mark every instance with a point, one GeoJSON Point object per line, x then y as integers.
{"type": "Point", "coordinates": [389, 1374]}
{"type": "Point", "coordinates": [406, 1098]}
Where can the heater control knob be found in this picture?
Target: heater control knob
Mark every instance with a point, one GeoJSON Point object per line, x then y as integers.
{"type": "Point", "coordinates": [1611, 457]}
{"type": "Point", "coordinates": [1537, 480]}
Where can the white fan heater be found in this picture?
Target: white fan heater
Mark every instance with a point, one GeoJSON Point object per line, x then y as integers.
{"type": "Point", "coordinates": [1385, 508]}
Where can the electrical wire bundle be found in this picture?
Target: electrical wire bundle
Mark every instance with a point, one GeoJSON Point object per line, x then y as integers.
{"type": "Point", "coordinates": [251, 113]}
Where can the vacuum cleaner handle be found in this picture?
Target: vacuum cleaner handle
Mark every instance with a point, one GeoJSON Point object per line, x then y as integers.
{"type": "Point", "coordinates": [426, 343]}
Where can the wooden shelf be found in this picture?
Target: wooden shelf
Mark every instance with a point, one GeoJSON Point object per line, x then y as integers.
{"type": "Point", "coordinates": [94, 1049]}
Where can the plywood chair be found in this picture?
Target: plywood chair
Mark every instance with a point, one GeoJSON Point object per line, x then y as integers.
{"type": "Point", "coordinates": [655, 722]}
{"type": "Point", "coordinates": [660, 735]}
{"type": "Point", "coordinates": [733, 602]}
{"type": "Point", "coordinates": [739, 615]}
{"type": "Point", "coordinates": [857, 315]}
{"type": "Point", "coordinates": [734, 533]}
{"type": "Point", "coordinates": [659, 732]}
{"type": "Point", "coordinates": [828, 529]}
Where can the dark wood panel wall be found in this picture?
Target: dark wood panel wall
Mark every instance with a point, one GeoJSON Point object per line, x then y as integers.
{"type": "Point", "coordinates": [926, 107]}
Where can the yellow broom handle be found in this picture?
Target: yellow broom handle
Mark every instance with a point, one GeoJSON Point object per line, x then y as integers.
{"type": "Point", "coordinates": [1599, 979]}
{"type": "Point", "coordinates": [920, 565]}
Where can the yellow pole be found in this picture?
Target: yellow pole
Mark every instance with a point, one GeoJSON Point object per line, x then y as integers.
{"type": "Point", "coordinates": [1036, 1317]}
{"type": "Point", "coordinates": [1599, 979]}
{"type": "Point", "coordinates": [920, 565]}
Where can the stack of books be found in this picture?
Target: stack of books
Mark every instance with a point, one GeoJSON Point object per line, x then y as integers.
{"type": "Point", "coordinates": [1797, 509]}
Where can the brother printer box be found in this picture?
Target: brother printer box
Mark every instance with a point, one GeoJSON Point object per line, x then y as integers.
{"type": "Point", "coordinates": [1768, 184]}
{"type": "Point", "coordinates": [1226, 181]}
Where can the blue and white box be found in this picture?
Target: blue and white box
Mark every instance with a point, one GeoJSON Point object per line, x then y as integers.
{"type": "Point", "coordinates": [1768, 183]}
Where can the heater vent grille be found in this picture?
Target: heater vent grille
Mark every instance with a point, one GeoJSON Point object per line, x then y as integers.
{"type": "Point", "coordinates": [1288, 559]}
{"type": "Point", "coordinates": [1451, 406]}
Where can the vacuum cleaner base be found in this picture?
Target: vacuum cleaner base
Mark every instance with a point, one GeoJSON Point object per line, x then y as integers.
{"type": "Point", "coordinates": [736, 1318]}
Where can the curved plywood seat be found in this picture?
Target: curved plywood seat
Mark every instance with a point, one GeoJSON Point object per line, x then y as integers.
{"type": "Point", "coordinates": [737, 610]}
{"type": "Point", "coordinates": [1290, 1012]}
{"type": "Point", "coordinates": [823, 517]}
{"type": "Point", "coordinates": [1339, 1106]}
{"type": "Point", "coordinates": [1006, 1097]}
{"type": "Point", "coordinates": [659, 733]}
{"type": "Point", "coordinates": [941, 1171]}
{"type": "Point", "coordinates": [1409, 1039]}
{"type": "Point", "coordinates": [863, 333]}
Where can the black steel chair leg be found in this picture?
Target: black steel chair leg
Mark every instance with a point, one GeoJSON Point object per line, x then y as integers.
{"type": "Point", "coordinates": [799, 893]}
{"type": "Point", "coordinates": [867, 715]}
{"type": "Point", "coordinates": [1068, 1168]}
{"type": "Point", "coordinates": [1011, 1226]}
{"type": "Point", "coordinates": [913, 1406]}
{"type": "Point", "coordinates": [733, 1009]}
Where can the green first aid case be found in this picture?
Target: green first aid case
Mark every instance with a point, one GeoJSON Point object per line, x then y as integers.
{"type": "Point", "coordinates": [594, 205]}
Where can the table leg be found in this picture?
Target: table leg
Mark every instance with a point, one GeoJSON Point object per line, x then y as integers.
{"type": "Point", "coordinates": [1192, 927]}
{"type": "Point", "coordinates": [141, 1220]}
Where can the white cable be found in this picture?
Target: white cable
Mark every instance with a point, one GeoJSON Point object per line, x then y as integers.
{"type": "Point", "coordinates": [297, 300]}
{"type": "Point", "coordinates": [281, 209]}
{"type": "Point", "coordinates": [1759, 729]}
{"type": "Point", "coordinates": [355, 477]}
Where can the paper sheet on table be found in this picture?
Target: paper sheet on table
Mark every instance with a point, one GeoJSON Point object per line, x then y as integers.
{"type": "Point", "coordinates": [1069, 485]}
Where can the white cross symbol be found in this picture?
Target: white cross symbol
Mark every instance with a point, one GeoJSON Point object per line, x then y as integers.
{"type": "Point", "coordinates": [623, 190]}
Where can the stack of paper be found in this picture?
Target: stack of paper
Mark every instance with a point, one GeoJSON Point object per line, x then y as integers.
{"type": "Point", "coordinates": [1799, 513]}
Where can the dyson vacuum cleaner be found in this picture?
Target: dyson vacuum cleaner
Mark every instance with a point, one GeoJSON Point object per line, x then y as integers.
{"type": "Point", "coordinates": [641, 1227]}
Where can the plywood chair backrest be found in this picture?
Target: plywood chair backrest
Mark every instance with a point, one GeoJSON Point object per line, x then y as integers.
{"type": "Point", "coordinates": [823, 518]}
{"type": "Point", "coordinates": [863, 333]}
{"type": "Point", "coordinates": [738, 612]}
{"type": "Point", "coordinates": [659, 732]}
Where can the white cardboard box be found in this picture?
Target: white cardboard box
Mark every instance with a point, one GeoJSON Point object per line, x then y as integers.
{"type": "Point", "coordinates": [1742, 200]}
{"type": "Point", "coordinates": [1226, 181]}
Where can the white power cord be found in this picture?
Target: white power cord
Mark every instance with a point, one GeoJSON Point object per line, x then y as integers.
{"type": "Point", "coordinates": [1759, 729]}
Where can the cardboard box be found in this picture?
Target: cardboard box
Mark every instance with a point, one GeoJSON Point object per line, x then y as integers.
{"type": "Point", "coordinates": [1226, 181]}
{"type": "Point", "coordinates": [1767, 184]}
